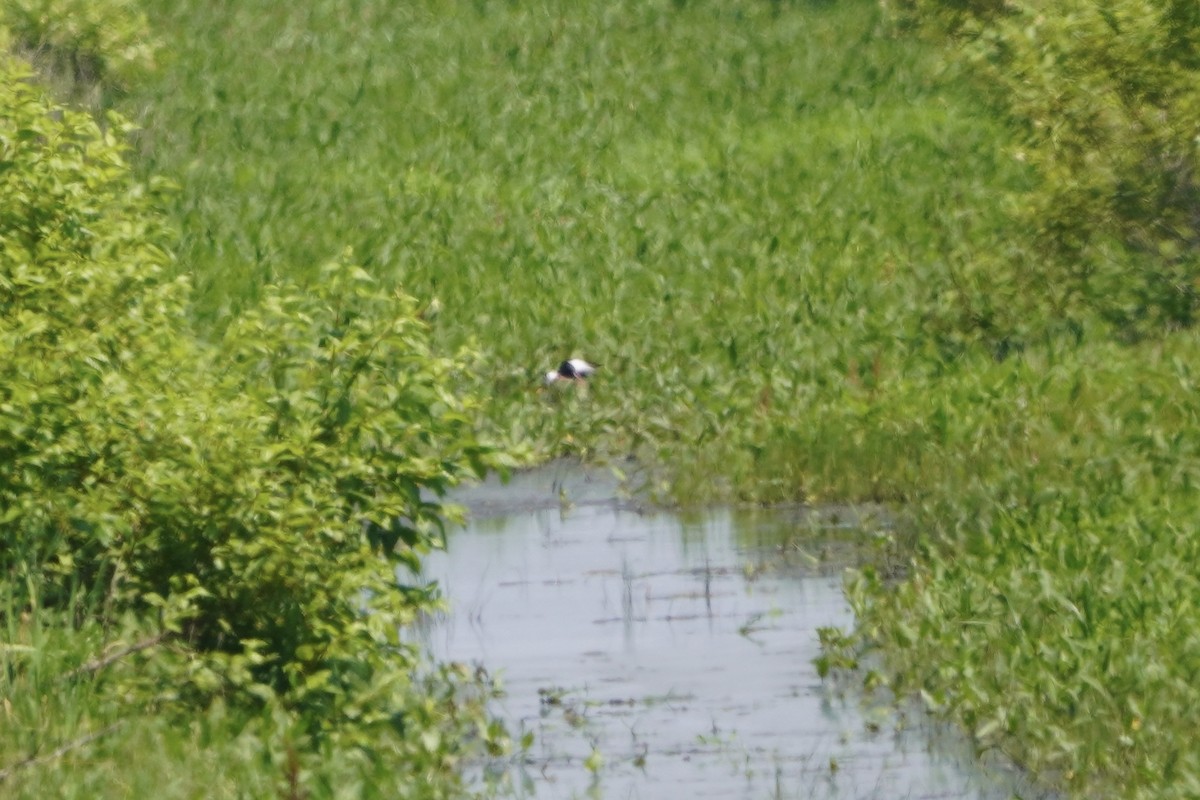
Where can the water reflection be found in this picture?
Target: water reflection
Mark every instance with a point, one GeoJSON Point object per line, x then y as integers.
{"type": "Point", "coordinates": [655, 657]}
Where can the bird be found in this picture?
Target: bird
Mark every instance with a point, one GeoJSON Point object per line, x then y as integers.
{"type": "Point", "coordinates": [573, 369]}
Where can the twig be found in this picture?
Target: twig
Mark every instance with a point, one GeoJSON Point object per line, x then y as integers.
{"type": "Point", "coordinates": [58, 752]}
{"type": "Point", "coordinates": [98, 664]}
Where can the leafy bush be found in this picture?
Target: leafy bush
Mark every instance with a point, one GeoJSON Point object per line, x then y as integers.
{"type": "Point", "coordinates": [85, 40]}
{"type": "Point", "coordinates": [84, 313]}
{"type": "Point", "coordinates": [1109, 97]}
{"type": "Point", "coordinates": [337, 431]}
{"type": "Point", "coordinates": [257, 494]}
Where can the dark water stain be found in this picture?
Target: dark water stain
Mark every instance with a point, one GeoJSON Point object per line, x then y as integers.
{"type": "Point", "coordinates": [659, 656]}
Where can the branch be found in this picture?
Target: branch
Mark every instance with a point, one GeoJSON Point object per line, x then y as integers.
{"type": "Point", "coordinates": [58, 752]}
{"type": "Point", "coordinates": [98, 664]}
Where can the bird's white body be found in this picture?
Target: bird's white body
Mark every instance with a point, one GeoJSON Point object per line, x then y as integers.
{"type": "Point", "coordinates": [573, 369]}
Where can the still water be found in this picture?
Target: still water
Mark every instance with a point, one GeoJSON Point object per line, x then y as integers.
{"type": "Point", "coordinates": [659, 656]}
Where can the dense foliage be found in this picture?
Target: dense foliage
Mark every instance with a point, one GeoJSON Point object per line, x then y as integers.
{"type": "Point", "coordinates": [242, 506]}
{"type": "Point", "coordinates": [1047, 599]}
{"type": "Point", "coordinates": [815, 258]}
{"type": "Point", "coordinates": [90, 46]}
{"type": "Point", "coordinates": [1106, 96]}
{"type": "Point", "coordinates": [1052, 576]}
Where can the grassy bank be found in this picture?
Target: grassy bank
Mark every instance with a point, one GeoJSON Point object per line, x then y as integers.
{"type": "Point", "coordinates": [799, 242]}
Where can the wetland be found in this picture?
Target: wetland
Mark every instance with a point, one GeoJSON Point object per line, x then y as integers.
{"type": "Point", "coordinates": [654, 653]}
{"type": "Point", "coordinates": [293, 270]}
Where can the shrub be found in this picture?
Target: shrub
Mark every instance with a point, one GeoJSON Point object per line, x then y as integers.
{"type": "Point", "coordinates": [260, 492]}
{"type": "Point", "coordinates": [85, 40]}
{"type": "Point", "coordinates": [1108, 97]}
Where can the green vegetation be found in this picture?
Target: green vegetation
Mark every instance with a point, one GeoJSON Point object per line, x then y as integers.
{"type": "Point", "coordinates": [818, 255]}
{"type": "Point", "coordinates": [1052, 578]}
{"type": "Point", "coordinates": [209, 526]}
{"type": "Point", "coordinates": [1105, 97]}
{"type": "Point", "coordinates": [91, 49]}
{"type": "Point", "coordinates": [744, 244]}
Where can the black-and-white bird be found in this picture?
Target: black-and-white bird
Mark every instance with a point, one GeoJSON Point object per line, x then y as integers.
{"type": "Point", "coordinates": [573, 369]}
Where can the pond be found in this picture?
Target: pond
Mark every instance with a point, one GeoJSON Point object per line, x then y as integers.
{"type": "Point", "coordinates": [656, 656]}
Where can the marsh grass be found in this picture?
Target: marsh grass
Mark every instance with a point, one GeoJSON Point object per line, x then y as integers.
{"type": "Point", "coordinates": [71, 729]}
{"type": "Point", "coordinates": [1054, 580]}
{"type": "Point", "coordinates": [739, 237]}
{"type": "Point", "coordinates": [784, 229]}
{"type": "Point", "coordinates": [91, 711]}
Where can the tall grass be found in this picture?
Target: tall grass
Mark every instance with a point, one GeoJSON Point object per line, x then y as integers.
{"type": "Point", "coordinates": [91, 711]}
{"type": "Point", "coordinates": [731, 207]}
{"type": "Point", "coordinates": [1052, 581]}
{"type": "Point", "coordinates": [70, 730]}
